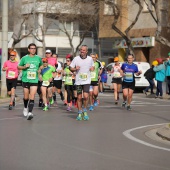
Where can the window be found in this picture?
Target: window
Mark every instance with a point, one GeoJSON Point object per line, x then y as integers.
{"type": "Point", "coordinates": [108, 10]}
{"type": "Point", "coordinates": [147, 5]}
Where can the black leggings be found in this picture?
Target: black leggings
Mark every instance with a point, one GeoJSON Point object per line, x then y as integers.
{"type": "Point", "coordinates": [70, 93]}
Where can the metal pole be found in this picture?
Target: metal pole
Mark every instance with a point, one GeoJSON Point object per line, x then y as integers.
{"type": "Point", "coordinates": [4, 45]}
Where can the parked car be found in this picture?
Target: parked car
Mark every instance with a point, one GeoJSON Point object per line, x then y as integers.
{"type": "Point", "coordinates": [141, 82]}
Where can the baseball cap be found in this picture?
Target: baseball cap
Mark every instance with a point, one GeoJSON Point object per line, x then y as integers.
{"type": "Point", "coordinates": [48, 51]}
{"type": "Point", "coordinates": [44, 60]}
{"type": "Point", "coordinates": [159, 60]}
{"type": "Point", "coordinates": [154, 63]}
{"type": "Point", "coordinates": [68, 56]}
{"type": "Point", "coordinates": [116, 59]}
{"type": "Point", "coordinates": [13, 53]}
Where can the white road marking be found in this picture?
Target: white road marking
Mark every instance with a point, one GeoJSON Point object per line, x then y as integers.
{"type": "Point", "coordinates": [127, 133]}
{"type": "Point", "coordinates": [11, 118]}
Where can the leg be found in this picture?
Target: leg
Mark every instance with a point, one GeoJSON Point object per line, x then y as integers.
{"type": "Point", "coordinates": [44, 95]}
{"type": "Point", "coordinates": [115, 90]}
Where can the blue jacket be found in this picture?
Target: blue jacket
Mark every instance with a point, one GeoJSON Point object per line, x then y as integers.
{"type": "Point", "coordinates": [167, 65]}
{"type": "Point", "coordinates": [160, 72]}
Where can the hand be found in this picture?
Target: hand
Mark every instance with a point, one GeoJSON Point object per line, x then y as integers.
{"type": "Point", "coordinates": [91, 68]}
{"type": "Point", "coordinates": [70, 73]}
{"type": "Point", "coordinates": [27, 65]}
{"type": "Point", "coordinates": [77, 67]}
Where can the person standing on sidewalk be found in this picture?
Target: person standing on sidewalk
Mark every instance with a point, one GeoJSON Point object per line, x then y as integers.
{"type": "Point", "coordinates": [128, 84]}
{"type": "Point", "coordinates": [29, 65]}
{"type": "Point", "coordinates": [160, 77]}
{"type": "Point", "coordinates": [150, 75]}
{"type": "Point", "coordinates": [83, 65]}
{"type": "Point", "coordinates": [11, 69]}
{"type": "Point", "coordinates": [167, 72]}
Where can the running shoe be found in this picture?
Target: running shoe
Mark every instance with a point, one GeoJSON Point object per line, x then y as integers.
{"type": "Point", "coordinates": [129, 108]}
{"type": "Point", "coordinates": [40, 103]}
{"type": "Point", "coordinates": [91, 108]}
{"type": "Point", "coordinates": [79, 117]}
{"type": "Point", "coordinates": [85, 116]}
{"type": "Point", "coordinates": [68, 108]}
{"type": "Point", "coordinates": [10, 107]}
{"type": "Point", "coordinates": [25, 112]}
{"type": "Point", "coordinates": [45, 108]}
{"type": "Point", "coordinates": [29, 116]}
{"type": "Point", "coordinates": [123, 104]}
{"type": "Point", "coordinates": [51, 101]}
{"type": "Point", "coordinates": [156, 97]}
{"type": "Point", "coordinates": [144, 92]}
{"type": "Point", "coordinates": [95, 103]}
{"type": "Point", "coordinates": [116, 102]}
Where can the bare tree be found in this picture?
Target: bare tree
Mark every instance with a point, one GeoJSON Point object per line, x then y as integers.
{"type": "Point", "coordinates": [117, 8]}
{"type": "Point", "coordinates": [160, 8]}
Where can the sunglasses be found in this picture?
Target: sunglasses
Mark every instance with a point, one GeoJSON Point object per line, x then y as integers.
{"type": "Point", "coordinates": [45, 62]}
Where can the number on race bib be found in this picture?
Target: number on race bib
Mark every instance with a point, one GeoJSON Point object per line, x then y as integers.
{"type": "Point", "coordinates": [69, 80]}
{"type": "Point", "coordinates": [31, 75]}
{"type": "Point", "coordinates": [83, 76]}
{"type": "Point", "coordinates": [11, 74]}
{"type": "Point", "coordinates": [93, 75]}
{"type": "Point", "coordinates": [46, 83]}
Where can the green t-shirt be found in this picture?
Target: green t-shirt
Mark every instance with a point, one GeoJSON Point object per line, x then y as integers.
{"type": "Point", "coordinates": [68, 79]}
{"type": "Point", "coordinates": [30, 74]}
{"type": "Point", "coordinates": [47, 72]}
{"type": "Point", "coordinates": [95, 73]}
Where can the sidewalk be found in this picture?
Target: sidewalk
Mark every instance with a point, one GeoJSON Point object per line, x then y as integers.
{"type": "Point", "coordinates": [164, 132]}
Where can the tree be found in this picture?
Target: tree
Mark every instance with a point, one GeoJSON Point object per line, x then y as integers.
{"type": "Point", "coordinates": [117, 9]}
{"type": "Point", "coordinates": [161, 17]}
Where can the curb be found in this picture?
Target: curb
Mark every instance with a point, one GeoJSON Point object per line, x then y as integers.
{"type": "Point", "coordinates": [164, 132]}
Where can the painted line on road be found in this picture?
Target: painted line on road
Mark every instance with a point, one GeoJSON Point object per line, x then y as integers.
{"type": "Point", "coordinates": [127, 133]}
{"type": "Point", "coordinates": [11, 118]}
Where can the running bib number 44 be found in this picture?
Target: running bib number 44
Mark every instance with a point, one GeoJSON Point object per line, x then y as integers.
{"type": "Point", "coordinates": [11, 74]}
{"type": "Point", "coordinates": [45, 83]}
{"type": "Point", "coordinates": [31, 75]}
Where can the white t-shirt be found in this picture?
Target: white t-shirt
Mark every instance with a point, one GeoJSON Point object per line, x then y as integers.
{"type": "Point", "coordinates": [59, 75]}
{"type": "Point", "coordinates": [83, 75]}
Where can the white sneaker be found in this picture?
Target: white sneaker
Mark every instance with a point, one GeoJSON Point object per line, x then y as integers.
{"type": "Point", "coordinates": [25, 112]}
{"type": "Point", "coordinates": [29, 116]}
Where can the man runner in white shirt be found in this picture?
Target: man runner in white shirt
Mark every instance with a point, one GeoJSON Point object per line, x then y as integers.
{"type": "Point", "coordinates": [83, 65]}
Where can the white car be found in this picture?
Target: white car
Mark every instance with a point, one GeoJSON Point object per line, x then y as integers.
{"type": "Point", "coordinates": [141, 82]}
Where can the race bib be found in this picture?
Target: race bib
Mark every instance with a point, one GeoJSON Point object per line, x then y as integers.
{"type": "Point", "coordinates": [64, 78]}
{"type": "Point", "coordinates": [83, 76]}
{"type": "Point", "coordinates": [129, 77]}
{"type": "Point", "coordinates": [45, 83]}
{"type": "Point", "coordinates": [31, 75]}
{"type": "Point", "coordinates": [93, 75]}
{"type": "Point", "coordinates": [11, 74]}
{"type": "Point", "coordinates": [116, 74]}
{"type": "Point", "coordinates": [69, 80]}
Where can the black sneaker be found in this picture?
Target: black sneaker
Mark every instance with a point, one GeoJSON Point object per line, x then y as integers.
{"type": "Point", "coordinates": [10, 107]}
{"type": "Point", "coordinates": [123, 104]}
{"type": "Point", "coordinates": [116, 102]}
{"type": "Point", "coordinates": [129, 108]}
{"type": "Point", "coordinates": [40, 103]}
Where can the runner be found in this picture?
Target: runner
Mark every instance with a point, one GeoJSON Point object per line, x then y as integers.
{"type": "Point", "coordinates": [11, 68]}
{"type": "Point", "coordinates": [68, 82]}
{"type": "Point", "coordinates": [95, 76]}
{"type": "Point", "coordinates": [103, 78]}
{"type": "Point", "coordinates": [82, 64]}
{"type": "Point", "coordinates": [29, 65]}
{"type": "Point", "coordinates": [128, 85]}
{"type": "Point", "coordinates": [117, 78]}
{"type": "Point", "coordinates": [46, 77]}
{"type": "Point", "coordinates": [51, 60]}
{"type": "Point", "coordinates": [57, 82]}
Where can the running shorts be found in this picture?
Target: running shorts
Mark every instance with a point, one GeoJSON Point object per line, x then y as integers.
{"type": "Point", "coordinates": [117, 80]}
{"type": "Point", "coordinates": [128, 85]}
{"type": "Point", "coordinates": [57, 84]}
{"type": "Point", "coordinates": [28, 85]}
{"type": "Point", "coordinates": [83, 88]}
{"type": "Point", "coordinates": [94, 83]}
{"type": "Point", "coordinates": [11, 83]}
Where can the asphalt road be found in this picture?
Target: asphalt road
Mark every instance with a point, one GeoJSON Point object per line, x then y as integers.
{"type": "Point", "coordinates": [113, 138]}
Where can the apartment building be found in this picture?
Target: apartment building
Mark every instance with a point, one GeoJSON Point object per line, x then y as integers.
{"type": "Point", "coordinates": [142, 34]}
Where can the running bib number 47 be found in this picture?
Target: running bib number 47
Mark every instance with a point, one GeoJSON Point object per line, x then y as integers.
{"type": "Point", "coordinates": [31, 75]}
